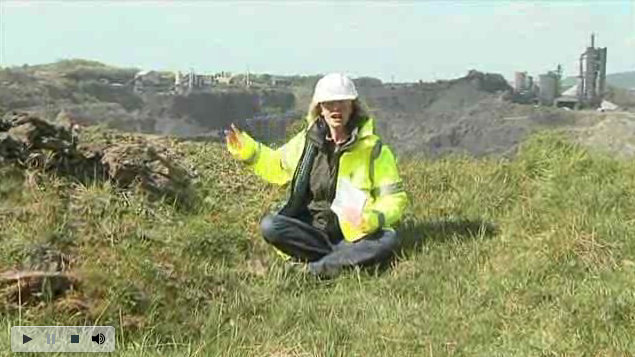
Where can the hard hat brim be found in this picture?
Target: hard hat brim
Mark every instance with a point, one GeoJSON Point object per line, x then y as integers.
{"type": "Point", "coordinates": [331, 98]}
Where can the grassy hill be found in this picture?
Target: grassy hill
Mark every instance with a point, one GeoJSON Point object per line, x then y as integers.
{"type": "Point", "coordinates": [523, 257]}
{"type": "Point", "coordinates": [621, 80]}
{"type": "Point", "coordinates": [624, 80]}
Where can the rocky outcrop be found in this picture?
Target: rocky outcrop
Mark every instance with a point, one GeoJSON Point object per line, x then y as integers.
{"type": "Point", "coordinates": [128, 161]}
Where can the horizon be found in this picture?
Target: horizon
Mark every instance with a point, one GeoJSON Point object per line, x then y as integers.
{"type": "Point", "coordinates": [419, 41]}
{"type": "Point", "coordinates": [277, 74]}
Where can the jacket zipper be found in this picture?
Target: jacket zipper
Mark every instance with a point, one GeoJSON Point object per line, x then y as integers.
{"type": "Point", "coordinates": [290, 199]}
{"type": "Point", "coordinates": [333, 176]}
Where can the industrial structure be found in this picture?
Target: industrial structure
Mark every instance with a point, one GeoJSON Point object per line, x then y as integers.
{"type": "Point", "coordinates": [591, 84]}
{"type": "Point", "coordinates": [592, 77]}
{"type": "Point", "coordinates": [527, 91]}
{"type": "Point", "coordinates": [549, 86]}
{"type": "Point", "coordinates": [588, 92]}
{"type": "Point", "coordinates": [185, 83]}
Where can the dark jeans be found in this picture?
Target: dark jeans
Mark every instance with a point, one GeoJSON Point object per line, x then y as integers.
{"type": "Point", "coordinates": [304, 242]}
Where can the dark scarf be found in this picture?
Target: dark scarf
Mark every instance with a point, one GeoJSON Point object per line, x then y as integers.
{"type": "Point", "coordinates": [316, 136]}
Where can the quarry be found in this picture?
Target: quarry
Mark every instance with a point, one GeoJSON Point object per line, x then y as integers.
{"type": "Point", "coordinates": [478, 114]}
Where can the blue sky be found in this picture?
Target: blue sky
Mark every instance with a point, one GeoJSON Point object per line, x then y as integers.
{"type": "Point", "coordinates": [400, 40]}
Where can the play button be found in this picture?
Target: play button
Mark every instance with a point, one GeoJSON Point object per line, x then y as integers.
{"type": "Point", "coordinates": [25, 339]}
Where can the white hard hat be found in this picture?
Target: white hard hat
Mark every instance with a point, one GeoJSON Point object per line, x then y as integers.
{"type": "Point", "coordinates": [334, 86]}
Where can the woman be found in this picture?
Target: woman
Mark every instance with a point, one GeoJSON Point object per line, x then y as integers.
{"type": "Point", "coordinates": [338, 154]}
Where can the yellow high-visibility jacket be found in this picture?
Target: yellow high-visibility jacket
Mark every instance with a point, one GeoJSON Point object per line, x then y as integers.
{"type": "Point", "coordinates": [368, 164]}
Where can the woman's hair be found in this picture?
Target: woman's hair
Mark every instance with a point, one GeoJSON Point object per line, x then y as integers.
{"type": "Point", "coordinates": [359, 111]}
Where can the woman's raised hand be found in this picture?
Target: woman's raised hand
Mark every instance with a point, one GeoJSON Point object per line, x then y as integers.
{"type": "Point", "coordinates": [240, 144]}
{"type": "Point", "coordinates": [232, 137]}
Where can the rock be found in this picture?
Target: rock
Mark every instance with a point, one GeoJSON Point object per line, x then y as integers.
{"type": "Point", "coordinates": [25, 287]}
{"type": "Point", "coordinates": [128, 161]}
{"type": "Point", "coordinates": [46, 258]}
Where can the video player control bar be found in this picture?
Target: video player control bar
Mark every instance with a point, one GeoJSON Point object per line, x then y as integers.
{"type": "Point", "coordinates": [62, 339]}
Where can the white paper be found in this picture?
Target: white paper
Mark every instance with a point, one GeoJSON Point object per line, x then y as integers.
{"type": "Point", "coordinates": [349, 201]}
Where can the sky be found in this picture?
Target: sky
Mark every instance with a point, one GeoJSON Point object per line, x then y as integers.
{"type": "Point", "coordinates": [402, 41]}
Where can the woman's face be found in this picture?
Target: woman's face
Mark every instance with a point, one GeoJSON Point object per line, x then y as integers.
{"type": "Point", "coordinates": [337, 113]}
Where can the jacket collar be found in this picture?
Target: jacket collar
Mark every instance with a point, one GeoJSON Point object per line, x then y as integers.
{"type": "Point", "coordinates": [360, 127]}
{"type": "Point", "coordinates": [366, 126]}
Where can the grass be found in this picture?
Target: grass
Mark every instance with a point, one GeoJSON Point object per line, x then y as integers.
{"type": "Point", "coordinates": [526, 257]}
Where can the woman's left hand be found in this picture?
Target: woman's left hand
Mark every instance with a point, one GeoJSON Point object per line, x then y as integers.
{"type": "Point", "coordinates": [352, 216]}
{"type": "Point", "coordinates": [369, 221]}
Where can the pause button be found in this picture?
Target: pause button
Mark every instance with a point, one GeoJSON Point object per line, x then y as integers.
{"type": "Point", "coordinates": [50, 338]}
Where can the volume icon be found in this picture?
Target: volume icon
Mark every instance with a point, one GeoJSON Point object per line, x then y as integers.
{"type": "Point", "coordinates": [99, 338]}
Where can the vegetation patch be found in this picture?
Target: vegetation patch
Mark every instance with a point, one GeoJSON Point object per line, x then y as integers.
{"type": "Point", "coordinates": [524, 256]}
